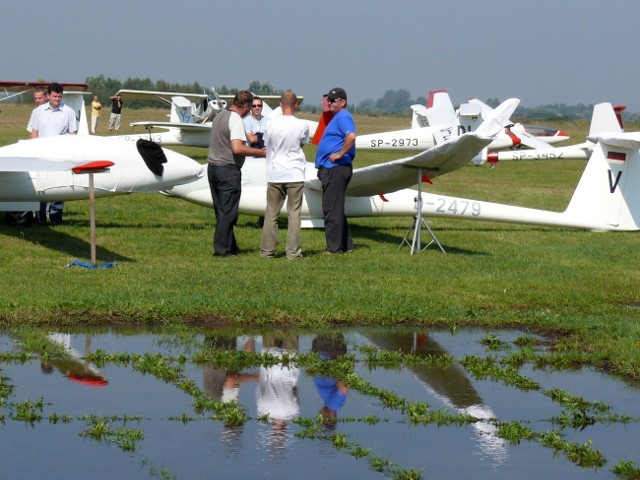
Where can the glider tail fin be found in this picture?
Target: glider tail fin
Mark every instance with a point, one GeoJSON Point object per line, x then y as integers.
{"type": "Point", "coordinates": [440, 110]}
{"type": "Point", "coordinates": [494, 123]}
{"type": "Point", "coordinates": [608, 192]}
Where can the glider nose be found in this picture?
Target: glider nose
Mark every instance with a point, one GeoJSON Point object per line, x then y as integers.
{"type": "Point", "coordinates": [179, 170]}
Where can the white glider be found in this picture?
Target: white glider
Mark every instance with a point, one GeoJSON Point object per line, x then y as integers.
{"type": "Point", "coordinates": [376, 180]}
{"type": "Point", "coordinates": [41, 169]}
{"type": "Point", "coordinates": [606, 198]}
{"type": "Point", "coordinates": [439, 119]}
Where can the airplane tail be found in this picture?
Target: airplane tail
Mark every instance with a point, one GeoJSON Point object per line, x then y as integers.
{"type": "Point", "coordinates": [180, 110]}
{"type": "Point", "coordinates": [419, 116]}
{"type": "Point", "coordinates": [440, 110]}
{"type": "Point", "coordinates": [604, 119]}
{"type": "Point", "coordinates": [76, 101]}
{"type": "Point", "coordinates": [608, 192]}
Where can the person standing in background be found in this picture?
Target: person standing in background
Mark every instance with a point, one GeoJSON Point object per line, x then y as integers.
{"type": "Point", "coordinates": [116, 113]}
{"type": "Point", "coordinates": [255, 124]}
{"type": "Point", "coordinates": [40, 97]}
{"type": "Point", "coordinates": [96, 107]}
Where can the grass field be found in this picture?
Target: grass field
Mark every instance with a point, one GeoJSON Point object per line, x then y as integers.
{"type": "Point", "coordinates": [580, 287]}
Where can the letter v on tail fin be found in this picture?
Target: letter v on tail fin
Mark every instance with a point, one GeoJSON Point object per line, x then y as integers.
{"type": "Point", "coordinates": [609, 190]}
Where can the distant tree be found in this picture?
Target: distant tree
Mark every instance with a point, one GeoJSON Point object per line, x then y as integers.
{"type": "Point", "coordinates": [493, 102]}
{"type": "Point", "coordinates": [421, 101]}
{"type": "Point", "coordinates": [263, 88]}
{"type": "Point", "coordinates": [395, 101]}
{"type": "Point", "coordinates": [367, 107]}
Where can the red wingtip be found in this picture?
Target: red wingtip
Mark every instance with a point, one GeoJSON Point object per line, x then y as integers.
{"type": "Point", "coordinates": [92, 166]}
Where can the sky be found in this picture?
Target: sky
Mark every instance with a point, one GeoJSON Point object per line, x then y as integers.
{"type": "Point", "coordinates": [542, 52]}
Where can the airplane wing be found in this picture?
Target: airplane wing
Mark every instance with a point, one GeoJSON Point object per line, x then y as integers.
{"type": "Point", "coordinates": [194, 127]}
{"type": "Point", "coordinates": [15, 89]}
{"type": "Point", "coordinates": [272, 100]}
{"type": "Point", "coordinates": [162, 96]}
{"type": "Point", "coordinates": [439, 160]}
{"type": "Point", "coordinates": [35, 164]}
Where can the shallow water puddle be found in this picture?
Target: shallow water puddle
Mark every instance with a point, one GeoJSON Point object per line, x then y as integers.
{"type": "Point", "coordinates": [359, 403]}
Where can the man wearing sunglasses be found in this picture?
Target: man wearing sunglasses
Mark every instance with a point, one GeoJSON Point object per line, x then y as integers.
{"type": "Point", "coordinates": [334, 158]}
{"type": "Point", "coordinates": [255, 124]}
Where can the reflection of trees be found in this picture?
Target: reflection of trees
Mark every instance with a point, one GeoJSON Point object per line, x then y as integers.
{"type": "Point", "coordinates": [449, 384]}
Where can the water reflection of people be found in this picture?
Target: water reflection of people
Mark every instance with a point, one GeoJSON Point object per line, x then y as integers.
{"type": "Point", "coordinates": [333, 391]}
{"type": "Point", "coordinates": [71, 363]}
{"type": "Point", "coordinates": [277, 392]}
{"type": "Point", "coordinates": [222, 384]}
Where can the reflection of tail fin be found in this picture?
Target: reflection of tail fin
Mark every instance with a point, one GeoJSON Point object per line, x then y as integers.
{"type": "Point", "coordinates": [609, 189]}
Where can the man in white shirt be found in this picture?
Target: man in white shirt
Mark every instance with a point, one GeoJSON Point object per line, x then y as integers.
{"type": "Point", "coordinates": [48, 120]}
{"type": "Point", "coordinates": [284, 138]}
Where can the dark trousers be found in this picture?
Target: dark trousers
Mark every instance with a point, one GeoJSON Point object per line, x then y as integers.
{"type": "Point", "coordinates": [225, 183]}
{"type": "Point", "coordinates": [334, 186]}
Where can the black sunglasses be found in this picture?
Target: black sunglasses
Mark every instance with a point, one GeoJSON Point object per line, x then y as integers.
{"type": "Point", "coordinates": [332, 100]}
{"type": "Point", "coordinates": [254, 106]}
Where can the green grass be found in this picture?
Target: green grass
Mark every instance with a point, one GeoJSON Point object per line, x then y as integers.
{"type": "Point", "coordinates": [580, 286]}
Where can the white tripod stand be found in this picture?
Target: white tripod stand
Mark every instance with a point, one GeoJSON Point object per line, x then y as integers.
{"type": "Point", "coordinates": [418, 223]}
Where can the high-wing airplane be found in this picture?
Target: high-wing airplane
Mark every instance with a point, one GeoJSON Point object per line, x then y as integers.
{"type": "Point", "coordinates": [606, 198]}
{"type": "Point", "coordinates": [49, 169]}
{"type": "Point", "coordinates": [439, 119]}
{"type": "Point", "coordinates": [190, 117]}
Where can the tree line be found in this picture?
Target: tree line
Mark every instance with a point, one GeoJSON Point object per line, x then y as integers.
{"type": "Point", "coordinates": [393, 102]}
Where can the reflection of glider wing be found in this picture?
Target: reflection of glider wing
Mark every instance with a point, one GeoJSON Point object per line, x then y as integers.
{"type": "Point", "coordinates": [449, 385]}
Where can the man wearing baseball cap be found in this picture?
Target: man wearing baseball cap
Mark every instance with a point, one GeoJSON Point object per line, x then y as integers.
{"type": "Point", "coordinates": [334, 158]}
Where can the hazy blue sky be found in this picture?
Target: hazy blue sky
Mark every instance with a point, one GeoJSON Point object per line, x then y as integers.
{"type": "Point", "coordinates": [543, 51]}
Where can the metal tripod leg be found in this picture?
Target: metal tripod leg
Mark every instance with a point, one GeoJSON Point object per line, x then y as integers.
{"type": "Point", "coordinates": [418, 223]}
